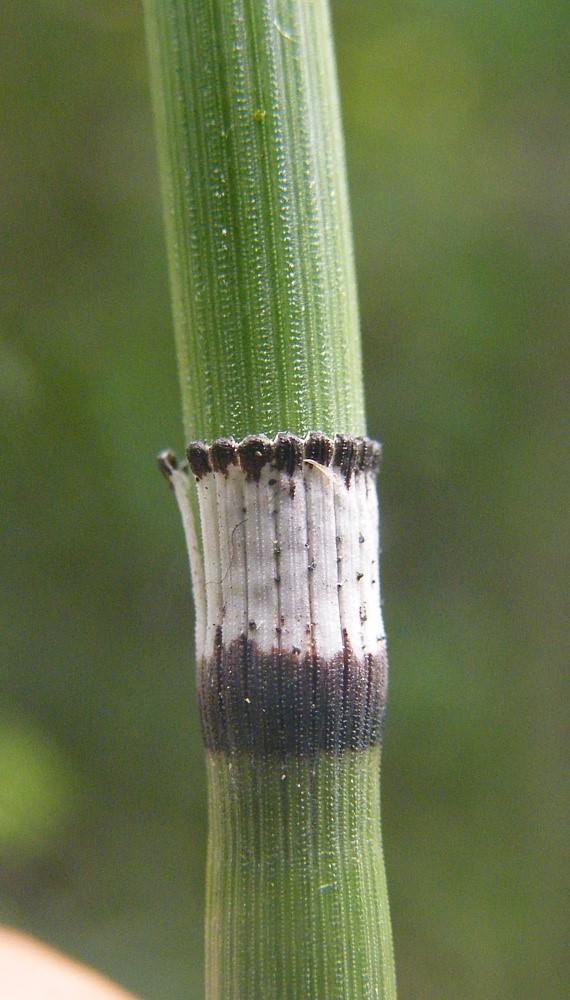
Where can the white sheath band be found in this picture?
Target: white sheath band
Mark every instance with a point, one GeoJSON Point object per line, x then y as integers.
{"type": "Point", "coordinates": [288, 557]}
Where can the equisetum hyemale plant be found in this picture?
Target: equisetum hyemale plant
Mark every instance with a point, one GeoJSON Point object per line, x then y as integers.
{"type": "Point", "coordinates": [277, 496]}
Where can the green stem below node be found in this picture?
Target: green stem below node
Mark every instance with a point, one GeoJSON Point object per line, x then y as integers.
{"type": "Point", "coordinates": [297, 901]}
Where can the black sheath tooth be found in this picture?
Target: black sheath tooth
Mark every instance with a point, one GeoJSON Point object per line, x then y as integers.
{"type": "Point", "coordinates": [319, 448]}
{"type": "Point", "coordinates": [198, 455]}
{"type": "Point", "coordinates": [371, 455]}
{"type": "Point", "coordinates": [347, 451]}
{"type": "Point", "coordinates": [254, 452]}
{"type": "Point", "coordinates": [288, 455]}
{"type": "Point", "coordinates": [223, 453]}
{"type": "Point", "coordinates": [167, 462]}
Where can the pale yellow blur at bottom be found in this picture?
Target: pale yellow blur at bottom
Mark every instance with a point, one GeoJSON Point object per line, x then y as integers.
{"type": "Point", "coordinates": [29, 970]}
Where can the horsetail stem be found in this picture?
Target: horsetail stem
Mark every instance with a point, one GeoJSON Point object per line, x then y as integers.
{"type": "Point", "coordinates": [279, 506]}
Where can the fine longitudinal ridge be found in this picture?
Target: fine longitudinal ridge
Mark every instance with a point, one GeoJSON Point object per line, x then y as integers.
{"type": "Point", "coordinates": [291, 648]}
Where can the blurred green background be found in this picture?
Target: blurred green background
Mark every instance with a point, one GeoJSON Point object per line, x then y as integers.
{"type": "Point", "coordinates": [457, 126]}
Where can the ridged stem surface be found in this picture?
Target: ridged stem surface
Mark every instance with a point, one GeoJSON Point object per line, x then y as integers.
{"type": "Point", "coordinates": [296, 898]}
{"type": "Point", "coordinates": [259, 240]}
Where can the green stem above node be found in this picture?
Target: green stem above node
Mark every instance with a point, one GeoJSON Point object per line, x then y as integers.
{"type": "Point", "coordinates": [259, 240]}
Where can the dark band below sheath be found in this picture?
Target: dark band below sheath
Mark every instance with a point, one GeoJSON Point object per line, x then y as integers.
{"type": "Point", "coordinates": [290, 703]}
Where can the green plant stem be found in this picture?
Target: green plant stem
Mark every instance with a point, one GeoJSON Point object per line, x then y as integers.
{"type": "Point", "coordinates": [297, 897]}
{"type": "Point", "coordinates": [259, 241]}
{"type": "Point", "coordinates": [266, 322]}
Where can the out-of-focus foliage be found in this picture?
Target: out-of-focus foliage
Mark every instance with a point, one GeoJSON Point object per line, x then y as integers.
{"type": "Point", "coordinates": [456, 119]}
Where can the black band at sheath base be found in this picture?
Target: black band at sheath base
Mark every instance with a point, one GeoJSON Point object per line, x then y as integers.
{"type": "Point", "coordinates": [289, 702]}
